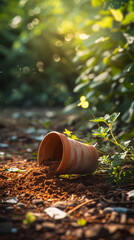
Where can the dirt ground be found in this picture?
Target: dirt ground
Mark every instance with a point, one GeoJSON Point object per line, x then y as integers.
{"type": "Point", "coordinates": [90, 207]}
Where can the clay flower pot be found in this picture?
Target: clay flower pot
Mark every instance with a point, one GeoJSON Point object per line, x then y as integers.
{"type": "Point", "coordinates": [73, 156]}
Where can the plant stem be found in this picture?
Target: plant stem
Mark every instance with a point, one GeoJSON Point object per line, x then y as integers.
{"type": "Point", "coordinates": [94, 118]}
{"type": "Point", "coordinates": [115, 141]}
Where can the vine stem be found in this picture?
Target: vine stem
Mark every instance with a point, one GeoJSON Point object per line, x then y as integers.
{"type": "Point", "coordinates": [94, 117]}
{"type": "Point", "coordinates": [115, 141]}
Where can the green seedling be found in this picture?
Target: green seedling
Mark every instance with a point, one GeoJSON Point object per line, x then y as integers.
{"type": "Point", "coordinates": [30, 218]}
{"type": "Point", "coordinates": [115, 155]}
{"type": "Point", "coordinates": [82, 222]}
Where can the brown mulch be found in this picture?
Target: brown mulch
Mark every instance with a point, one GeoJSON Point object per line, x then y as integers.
{"type": "Point", "coordinates": [34, 188]}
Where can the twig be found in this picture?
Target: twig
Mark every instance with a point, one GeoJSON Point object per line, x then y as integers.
{"type": "Point", "coordinates": [82, 204]}
{"type": "Point", "coordinates": [116, 202]}
{"type": "Point", "coordinates": [96, 199]}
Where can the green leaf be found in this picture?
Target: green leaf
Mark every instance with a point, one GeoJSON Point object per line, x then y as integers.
{"type": "Point", "coordinates": [129, 68]}
{"type": "Point", "coordinates": [30, 218]}
{"type": "Point", "coordinates": [129, 114]}
{"type": "Point", "coordinates": [115, 4]}
{"type": "Point", "coordinates": [34, 154]}
{"type": "Point", "coordinates": [115, 163]}
{"type": "Point", "coordinates": [82, 222]}
{"type": "Point", "coordinates": [46, 124]}
{"type": "Point", "coordinates": [80, 86]}
{"type": "Point", "coordinates": [117, 14]}
{"type": "Point", "coordinates": [100, 132]}
{"type": "Point", "coordinates": [106, 59]}
{"type": "Point", "coordinates": [125, 144]}
{"type": "Point", "coordinates": [119, 156]}
{"type": "Point", "coordinates": [92, 142]}
{"type": "Point", "coordinates": [94, 38]}
{"type": "Point", "coordinates": [128, 18]}
{"type": "Point", "coordinates": [107, 118]}
{"type": "Point", "coordinates": [96, 3]}
{"type": "Point", "coordinates": [99, 119]}
{"type": "Point", "coordinates": [113, 117]}
{"type": "Point", "coordinates": [105, 159]}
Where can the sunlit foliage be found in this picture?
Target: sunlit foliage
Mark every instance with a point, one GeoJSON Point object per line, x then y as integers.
{"type": "Point", "coordinates": [36, 52]}
{"type": "Point", "coordinates": [106, 60]}
{"type": "Point", "coordinates": [53, 52]}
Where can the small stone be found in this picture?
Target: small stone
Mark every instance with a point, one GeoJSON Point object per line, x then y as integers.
{"type": "Point", "coordinates": [56, 213]}
{"type": "Point", "coordinates": [38, 227]}
{"type": "Point", "coordinates": [60, 231]}
{"type": "Point", "coordinates": [14, 230]}
{"type": "Point", "coordinates": [21, 205]}
{"type": "Point", "coordinates": [131, 194]}
{"type": "Point", "coordinates": [93, 231]}
{"type": "Point", "coordinates": [123, 218]}
{"type": "Point", "coordinates": [48, 235]}
{"type": "Point", "coordinates": [40, 217]}
{"type": "Point", "coordinates": [60, 204]}
{"type": "Point", "coordinates": [80, 187]}
{"type": "Point", "coordinates": [113, 217]}
{"type": "Point", "coordinates": [130, 221]}
{"type": "Point", "coordinates": [72, 203]}
{"type": "Point", "coordinates": [4, 145]}
{"type": "Point", "coordinates": [37, 201]}
{"type": "Point", "coordinates": [68, 232]}
{"type": "Point", "coordinates": [112, 228]}
{"type": "Point", "coordinates": [22, 195]}
{"type": "Point", "coordinates": [78, 233]}
{"type": "Point", "coordinates": [49, 226]}
{"type": "Point", "coordinates": [9, 208]}
{"type": "Point", "coordinates": [75, 225]}
{"type": "Point", "coordinates": [91, 210]}
{"type": "Point", "coordinates": [87, 214]}
{"type": "Point", "coordinates": [12, 200]}
{"type": "Point", "coordinates": [131, 230]}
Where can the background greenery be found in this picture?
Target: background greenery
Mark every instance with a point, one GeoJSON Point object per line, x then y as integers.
{"type": "Point", "coordinates": [54, 51]}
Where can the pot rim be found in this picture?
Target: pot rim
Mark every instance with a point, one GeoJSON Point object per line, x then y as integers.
{"type": "Point", "coordinates": [63, 162]}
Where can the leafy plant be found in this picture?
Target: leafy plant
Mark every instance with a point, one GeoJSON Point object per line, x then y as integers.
{"type": "Point", "coordinates": [112, 160]}
{"type": "Point", "coordinates": [106, 61]}
{"type": "Point", "coordinates": [104, 132]}
{"type": "Point", "coordinates": [116, 161]}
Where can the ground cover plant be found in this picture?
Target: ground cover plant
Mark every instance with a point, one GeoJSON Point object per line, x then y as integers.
{"type": "Point", "coordinates": [113, 161]}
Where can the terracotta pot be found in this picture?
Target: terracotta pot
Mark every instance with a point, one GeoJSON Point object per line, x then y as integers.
{"type": "Point", "coordinates": [73, 156]}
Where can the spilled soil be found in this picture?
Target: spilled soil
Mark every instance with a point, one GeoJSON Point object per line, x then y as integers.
{"type": "Point", "coordinates": [95, 209]}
